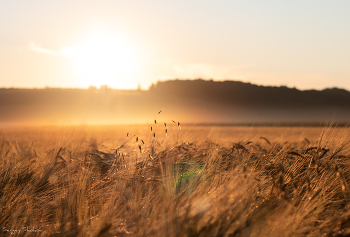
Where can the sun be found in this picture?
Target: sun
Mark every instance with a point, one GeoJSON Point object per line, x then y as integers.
{"type": "Point", "coordinates": [103, 59]}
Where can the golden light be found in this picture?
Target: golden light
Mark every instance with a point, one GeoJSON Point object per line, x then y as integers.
{"type": "Point", "coordinates": [103, 59]}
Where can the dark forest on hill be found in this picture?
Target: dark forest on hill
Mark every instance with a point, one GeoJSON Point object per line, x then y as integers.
{"type": "Point", "coordinates": [191, 101]}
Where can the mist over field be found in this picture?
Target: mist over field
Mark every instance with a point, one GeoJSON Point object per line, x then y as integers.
{"type": "Point", "coordinates": [195, 102]}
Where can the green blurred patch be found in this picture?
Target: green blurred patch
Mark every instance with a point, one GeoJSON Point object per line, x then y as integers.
{"type": "Point", "coordinates": [189, 174]}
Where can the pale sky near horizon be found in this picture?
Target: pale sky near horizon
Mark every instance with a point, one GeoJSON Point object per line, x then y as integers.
{"type": "Point", "coordinates": [77, 43]}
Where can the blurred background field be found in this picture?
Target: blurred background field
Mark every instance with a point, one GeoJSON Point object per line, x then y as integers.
{"type": "Point", "coordinates": [112, 136]}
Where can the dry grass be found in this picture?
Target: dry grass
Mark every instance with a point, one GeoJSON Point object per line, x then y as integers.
{"type": "Point", "coordinates": [207, 181]}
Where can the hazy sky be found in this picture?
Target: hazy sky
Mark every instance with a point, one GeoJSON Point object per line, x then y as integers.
{"type": "Point", "coordinates": [77, 43]}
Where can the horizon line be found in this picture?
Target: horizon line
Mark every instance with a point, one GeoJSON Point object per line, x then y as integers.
{"type": "Point", "coordinates": [139, 88]}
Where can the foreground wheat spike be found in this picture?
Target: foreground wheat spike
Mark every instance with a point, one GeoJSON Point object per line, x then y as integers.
{"type": "Point", "coordinates": [295, 153]}
{"type": "Point", "coordinates": [340, 175]}
{"type": "Point", "coordinates": [308, 184]}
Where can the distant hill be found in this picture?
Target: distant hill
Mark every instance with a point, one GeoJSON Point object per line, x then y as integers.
{"type": "Point", "coordinates": [192, 101]}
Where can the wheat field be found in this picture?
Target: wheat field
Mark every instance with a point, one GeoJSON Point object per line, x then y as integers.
{"type": "Point", "coordinates": [197, 181]}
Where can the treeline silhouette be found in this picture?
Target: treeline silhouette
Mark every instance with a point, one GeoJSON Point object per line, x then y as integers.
{"type": "Point", "coordinates": [192, 101]}
{"type": "Point", "coordinates": [246, 94]}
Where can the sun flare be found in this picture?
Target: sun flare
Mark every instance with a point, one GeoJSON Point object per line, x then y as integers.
{"type": "Point", "coordinates": [103, 59]}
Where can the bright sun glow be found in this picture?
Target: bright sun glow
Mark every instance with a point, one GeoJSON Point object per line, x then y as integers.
{"type": "Point", "coordinates": [104, 59]}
